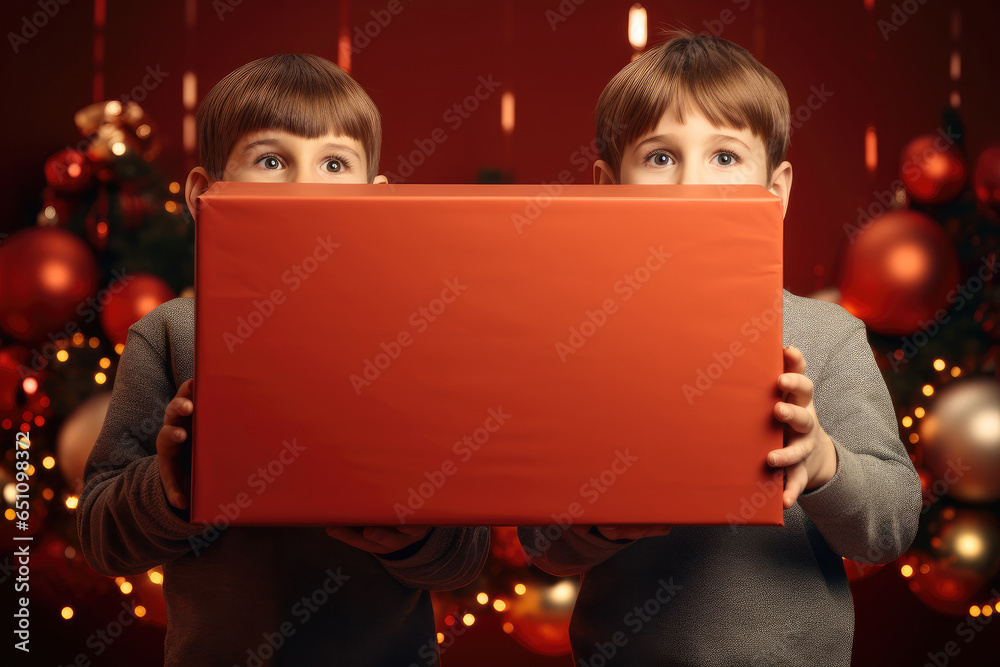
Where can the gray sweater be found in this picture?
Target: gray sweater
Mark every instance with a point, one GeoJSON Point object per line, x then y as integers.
{"type": "Point", "coordinates": [755, 595]}
{"type": "Point", "coordinates": [239, 595]}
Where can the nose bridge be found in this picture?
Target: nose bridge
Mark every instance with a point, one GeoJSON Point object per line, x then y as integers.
{"type": "Point", "coordinates": [691, 172]}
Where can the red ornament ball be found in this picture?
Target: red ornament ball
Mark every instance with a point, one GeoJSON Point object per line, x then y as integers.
{"type": "Point", "coordinates": [68, 170]}
{"type": "Point", "coordinates": [932, 169]}
{"type": "Point", "coordinates": [954, 557]}
{"type": "Point", "coordinates": [898, 272]}
{"type": "Point", "coordinates": [137, 295]}
{"type": "Point", "coordinates": [986, 177]}
{"type": "Point", "coordinates": [45, 273]}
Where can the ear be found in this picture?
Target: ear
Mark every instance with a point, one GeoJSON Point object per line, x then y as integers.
{"type": "Point", "coordinates": [604, 174]}
{"type": "Point", "coordinates": [781, 184]}
{"type": "Point", "coordinates": [380, 179]}
{"type": "Point", "coordinates": [197, 182]}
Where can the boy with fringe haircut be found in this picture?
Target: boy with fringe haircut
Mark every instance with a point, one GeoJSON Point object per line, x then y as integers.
{"type": "Point", "coordinates": [699, 109]}
{"type": "Point", "coordinates": [249, 595]}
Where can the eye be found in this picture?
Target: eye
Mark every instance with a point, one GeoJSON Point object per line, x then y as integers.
{"type": "Point", "coordinates": [269, 162]}
{"type": "Point", "coordinates": [658, 159]}
{"type": "Point", "coordinates": [728, 158]}
{"type": "Point", "coordinates": [335, 165]}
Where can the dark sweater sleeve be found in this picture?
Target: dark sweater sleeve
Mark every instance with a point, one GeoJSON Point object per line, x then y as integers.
{"type": "Point", "coordinates": [562, 551]}
{"type": "Point", "coordinates": [447, 558]}
{"type": "Point", "coordinates": [869, 510]}
{"type": "Point", "coordinates": [125, 523]}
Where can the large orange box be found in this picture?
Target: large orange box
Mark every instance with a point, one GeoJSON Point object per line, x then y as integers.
{"type": "Point", "coordinates": [500, 354]}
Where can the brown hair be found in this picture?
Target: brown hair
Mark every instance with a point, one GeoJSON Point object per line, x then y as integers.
{"type": "Point", "coordinates": [296, 92]}
{"type": "Point", "coordinates": [720, 78]}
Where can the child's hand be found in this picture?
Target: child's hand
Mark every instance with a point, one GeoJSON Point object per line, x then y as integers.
{"type": "Point", "coordinates": [625, 532]}
{"type": "Point", "coordinates": [808, 457]}
{"type": "Point", "coordinates": [379, 539]}
{"type": "Point", "coordinates": [175, 468]}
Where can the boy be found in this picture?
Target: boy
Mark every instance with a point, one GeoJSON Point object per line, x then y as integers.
{"type": "Point", "coordinates": [250, 596]}
{"type": "Point", "coordinates": [699, 109]}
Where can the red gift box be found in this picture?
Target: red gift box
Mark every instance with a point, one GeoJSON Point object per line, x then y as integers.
{"type": "Point", "coordinates": [468, 354]}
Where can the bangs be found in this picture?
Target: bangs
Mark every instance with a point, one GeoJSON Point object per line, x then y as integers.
{"type": "Point", "coordinates": [719, 79]}
{"type": "Point", "coordinates": [300, 94]}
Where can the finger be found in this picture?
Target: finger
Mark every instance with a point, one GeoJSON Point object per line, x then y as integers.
{"type": "Point", "coordinates": [791, 455]}
{"type": "Point", "coordinates": [796, 478]}
{"type": "Point", "coordinates": [800, 419]}
{"type": "Point", "coordinates": [355, 538]}
{"type": "Point", "coordinates": [178, 409]}
{"type": "Point", "coordinates": [794, 361]}
{"type": "Point", "coordinates": [168, 443]}
{"type": "Point", "coordinates": [610, 532]}
{"type": "Point", "coordinates": [796, 388]}
{"type": "Point", "coordinates": [387, 539]}
{"type": "Point", "coordinates": [415, 531]}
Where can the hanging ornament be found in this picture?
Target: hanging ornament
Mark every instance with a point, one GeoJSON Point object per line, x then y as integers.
{"type": "Point", "coordinates": [898, 272]}
{"type": "Point", "coordinates": [933, 170]}
{"type": "Point", "coordinates": [68, 171]}
{"type": "Point", "coordinates": [116, 130]}
{"type": "Point", "coordinates": [986, 177]}
{"type": "Point", "coordinates": [141, 294]}
{"type": "Point", "coordinates": [961, 439]}
{"type": "Point", "coordinates": [77, 437]}
{"type": "Point", "coordinates": [954, 556]}
{"type": "Point", "coordinates": [56, 209]}
{"type": "Point", "coordinates": [45, 273]}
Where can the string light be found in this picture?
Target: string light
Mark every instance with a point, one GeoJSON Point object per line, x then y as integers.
{"type": "Point", "coordinates": [71, 502]}
{"type": "Point", "coordinates": [9, 514]}
{"type": "Point", "coordinates": [119, 348]}
{"type": "Point", "coordinates": [508, 627]}
{"type": "Point", "coordinates": [94, 341]}
{"type": "Point", "coordinates": [440, 637]}
{"type": "Point", "coordinates": [30, 385]}
{"type": "Point", "coordinates": [939, 364]}
{"type": "Point", "coordinates": [906, 571]}
{"type": "Point", "coordinates": [907, 421]}
{"type": "Point", "coordinates": [468, 619]}
{"type": "Point", "coordinates": [955, 371]}
{"type": "Point", "coordinates": [78, 339]}
{"type": "Point", "coordinates": [499, 605]}
{"type": "Point", "coordinates": [104, 362]}
{"type": "Point", "coordinates": [48, 463]}
{"type": "Point", "coordinates": [62, 355]}
{"type": "Point", "coordinates": [928, 390]}
{"type": "Point", "coordinates": [100, 378]}
{"type": "Point", "coordinates": [67, 613]}
{"type": "Point", "coordinates": [520, 589]}
{"type": "Point", "coordinates": [919, 412]}
{"type": "Point", "coordinates": [126, 587]}
{"type": "Point", "coordinates": [140, 611]}
{"type": "Point", "coordinates": [637, 27]}
{"type": "Point", "coordinates": [482, 598]}
{"type": "Point", "coordinates": [156, 577]}
{"type": "Point", "coordinates": [973, 611]}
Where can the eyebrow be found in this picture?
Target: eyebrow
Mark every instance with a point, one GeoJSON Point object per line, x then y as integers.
{"type": "Point", "coordinates": [326, 147]}
{"type": "Point", "coordinates": [713, 137]}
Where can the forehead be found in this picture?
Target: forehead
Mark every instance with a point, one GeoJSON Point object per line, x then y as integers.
{"type": "Point", "coordinates": [272, 139]}
{"type": "Point", "coordinates": [697, 128]}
